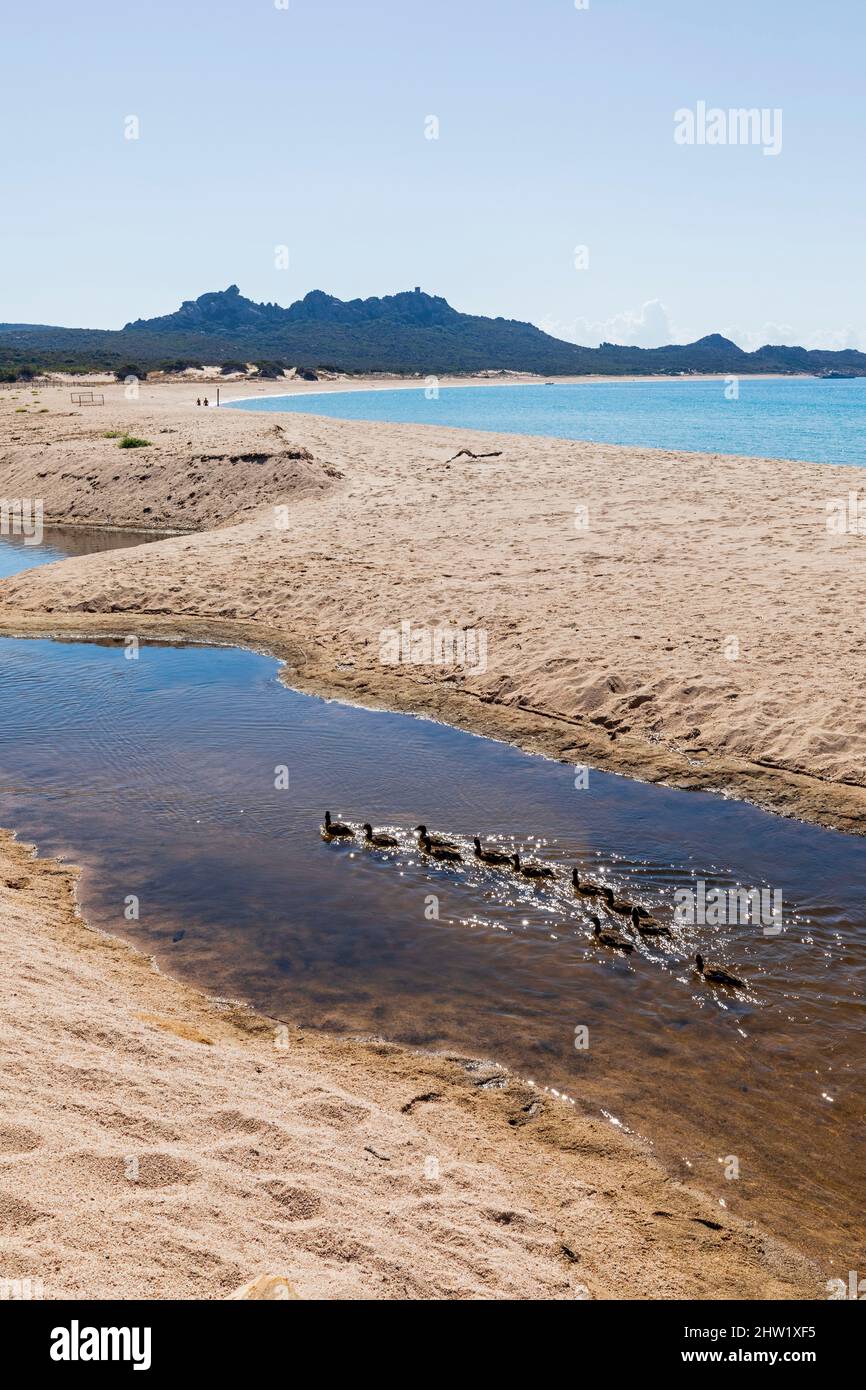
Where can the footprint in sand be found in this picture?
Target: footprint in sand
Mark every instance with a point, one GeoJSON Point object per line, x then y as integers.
{"type": "Point", "coordinates": [18, 1139]}
{"type": "Point", "coordinates": [16, 1213]}
{"type": "Point", "coordinates": [109, 1171]}
{"type": "Point", "coordinates": [295, 1203]}
{"type": "Point", "coordinates": [236, 1122]}
{"type": "Point", "coordinates": [342, 1114]}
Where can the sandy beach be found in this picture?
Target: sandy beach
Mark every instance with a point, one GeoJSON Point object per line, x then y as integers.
{"type": "Point", "coordinates": [308, 1156]}
{"type": "Point", "coordinates": [433, 741]}
{"type": "Point", "coordinates": [677, 617]}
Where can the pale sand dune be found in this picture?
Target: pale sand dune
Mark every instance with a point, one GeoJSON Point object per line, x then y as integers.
{"type": "Point", "coordinates": [606, 645]}
{"type": "Point", "coordinates": [157, 1144]}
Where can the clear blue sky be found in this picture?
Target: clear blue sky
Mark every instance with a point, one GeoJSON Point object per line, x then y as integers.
{"type": "Point", "coordinates": [304, 126]}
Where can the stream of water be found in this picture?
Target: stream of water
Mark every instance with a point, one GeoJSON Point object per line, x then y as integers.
{"type": "Point", "coordinates": [164, 777]}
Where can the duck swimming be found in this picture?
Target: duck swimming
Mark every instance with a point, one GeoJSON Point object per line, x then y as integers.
{"type": "Point", "coordinates": [608, 938]}
{"type": "Point", "coordinates": [335, 828]}
{"type": "Point", "coordinates": [421, 832]}
{"type": "Point", "coordinates": [646, 925]}
{"type": "Point", "coordinates": [379, 839]}
{"type": "Point", "coordinates": [447, 853]}
{"type": "Point", "coordinates": [489, 856]}
{"type": "Point", "coordinates": [585, 889]}
{"type": "Point", "coordinates": [620, 905]}
{"type": "Point", "coordinates": [531, 870]}
{"type": "Point", "coordinates": [716, 975]}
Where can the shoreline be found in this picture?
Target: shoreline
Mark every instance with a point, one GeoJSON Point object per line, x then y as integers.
{"type": "Point", "coordinates": [383, 381]}
{"type": "Point", "coordinates": [536, 732]}
{"type": "Point", "coordinates": [337, 1163]}
{"type": "Point", "coordinates": [322, 388]}
{"type": "Point", "coordinates": [379, 529]}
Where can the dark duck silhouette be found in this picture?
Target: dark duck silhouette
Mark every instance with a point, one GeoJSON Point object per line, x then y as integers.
{"type": "Point", "coordinates": [377, 838]}
{"type": "Point", "coordinates": [585, 889]}
{"type": "Point", "coordinates": [646, 925]}
{"type": "Point", "coordinates": [435, 840]}
{"type": "Point", "coordinates": [609, 938]}
{"type": "Point", "coordinates": [447, 854]}
{"type": "Point", "coordinates": [716, 975]}
{"type": "Point", "coordinates": [335, 829]}
{"type": "Point", "coordinates": [533, 871]}
{"type": "Point", "coordinates": [489, 856]}
{"type": "Point", "coordinates": [620, 905]}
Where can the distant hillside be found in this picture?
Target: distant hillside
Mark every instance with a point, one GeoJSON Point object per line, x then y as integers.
{"type": "Point", "coordinates": [407, 332]}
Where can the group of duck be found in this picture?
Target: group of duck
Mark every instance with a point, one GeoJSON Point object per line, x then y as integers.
{"type": "Point", "coordinates": [434, 847]}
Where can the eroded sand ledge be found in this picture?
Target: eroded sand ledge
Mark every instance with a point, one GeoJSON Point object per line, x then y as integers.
{"type": "Point", "coordinates": [159, 1144]}
{"type": "Point", "coordinates": [605, 646]}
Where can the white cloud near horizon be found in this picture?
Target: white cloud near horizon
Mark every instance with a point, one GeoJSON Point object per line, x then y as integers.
{"type": "Point", "coordinates": [649, 326]}
{"type": "Point", "coordinates": [652, 326]}
{"type": "Point", "coordinates": [826, 339]}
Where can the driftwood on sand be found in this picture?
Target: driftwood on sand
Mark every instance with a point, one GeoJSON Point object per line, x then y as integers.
{"type": "Point", "coordinates": [467, 453]}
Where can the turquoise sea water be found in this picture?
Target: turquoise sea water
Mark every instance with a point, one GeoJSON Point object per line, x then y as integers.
{"type": "Point", "coordinates": [798, 418]}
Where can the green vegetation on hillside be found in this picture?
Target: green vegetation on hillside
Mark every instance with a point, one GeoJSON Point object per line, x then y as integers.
{"type": "Point", "coordinates": [410, 333]}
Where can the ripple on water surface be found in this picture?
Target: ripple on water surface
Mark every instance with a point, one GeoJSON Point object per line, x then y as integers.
{"type": "Point", "coordinates": [161, 776]}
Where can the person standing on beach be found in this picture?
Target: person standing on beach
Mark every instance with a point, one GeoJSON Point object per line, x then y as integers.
{"type": "Point", "coordinates": [198, 400]}
{"type": "Point", "coordinates": [205, 400]}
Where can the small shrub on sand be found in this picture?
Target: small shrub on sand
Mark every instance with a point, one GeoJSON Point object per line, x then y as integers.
{"type": "Point", "coordinates": [113, 434]}
{"type": "Point", "coordinates": [129, 441]}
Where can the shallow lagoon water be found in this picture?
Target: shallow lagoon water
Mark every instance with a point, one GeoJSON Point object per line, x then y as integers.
{"type": "Point", "coordinates": [159, 775]}
{"type": "Point", "coordinates": [19, 552]}
{"type": "Point", "coordinates": [799, 418]}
